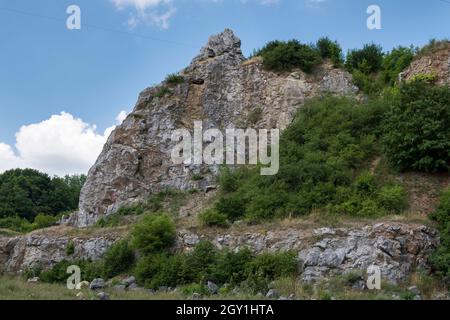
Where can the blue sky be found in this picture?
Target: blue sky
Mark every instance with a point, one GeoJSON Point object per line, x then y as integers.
{"type": "Point", "coordinates": [92, 74]}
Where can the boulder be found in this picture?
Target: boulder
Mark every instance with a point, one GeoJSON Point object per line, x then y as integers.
{"type": "Point", "coordinates": [97, 284]}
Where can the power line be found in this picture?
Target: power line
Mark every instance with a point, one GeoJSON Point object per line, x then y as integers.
{"type": "Point", "coordinates": [92, 26]}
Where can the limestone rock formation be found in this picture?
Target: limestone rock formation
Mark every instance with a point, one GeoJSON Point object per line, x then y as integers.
{"type": "Point", "coordinates": [19, 254]}
{"type": "Point", "coordinates": [436, 62]}
{"type": "Point", "coordinates": [396, 248]}
{"type": "Point", "coordinates": [221, 88]}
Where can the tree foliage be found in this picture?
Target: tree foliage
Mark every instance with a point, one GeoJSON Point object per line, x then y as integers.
{"type": "Point", "coordinates": [417, 134]}
{"type": "Point", "coordinates": [26, 193]}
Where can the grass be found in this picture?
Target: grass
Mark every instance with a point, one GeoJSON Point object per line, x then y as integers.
{"type": "Point", "coordinates": [339, 288]}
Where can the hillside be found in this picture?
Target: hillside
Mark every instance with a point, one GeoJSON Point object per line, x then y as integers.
{"type": "Point", "coordinates": [363, 169]}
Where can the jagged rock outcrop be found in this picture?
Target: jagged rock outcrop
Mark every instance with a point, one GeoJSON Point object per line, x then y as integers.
{"type": "Point", "coordinates": [396, 248]}
{"type": "Point", "coordinates": [21, 253]}
{"type": "Point", "coordinates": [437, 62]}
{"type": "Point", "coordinates": [220, 88]}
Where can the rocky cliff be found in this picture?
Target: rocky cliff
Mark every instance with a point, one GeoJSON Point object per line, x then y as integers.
{"type": "Point", "coordinates": [435, 62]}
{"type": "Point", "coordinates": [19, 254]}
{"type": "Point", "coordinates": [222, 89]}
{"type": "Point", "coordinates": [396, 248]}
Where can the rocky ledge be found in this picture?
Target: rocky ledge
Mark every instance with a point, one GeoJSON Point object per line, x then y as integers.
{"type": "Point", "coordinates": [22, 253]}
{"type": "Point", "coordinates": [396, 248]}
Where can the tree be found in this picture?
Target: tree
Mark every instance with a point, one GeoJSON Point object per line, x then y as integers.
{"type": "Point", "coordinates": [26, 193]}
{"type": "Point", "coordinates": [417, 134]}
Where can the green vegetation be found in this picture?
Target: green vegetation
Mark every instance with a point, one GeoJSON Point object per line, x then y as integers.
{"type": "Point", "coordinates": [169, 200]}
{"type": "Point", "coordinates": [368, 60]}
{"type": "Point", "coordinates": [395, 62]}
{"type": "Point", "coordinates": [417, 134]}
{"type": "Point", "coordinates": [174, 79]}
{"type": "Point", "coordinates": [118, 259]}
{"type": "Point", "coordinates": [70, 249]}
{"type": "Point", "coordinates": [212, 218]}
{"type": "Point", "coordinates": [441, 257]}
{"type": "Point", "coordinates": [155, 233]}
{"type": "Point", "coordinates": [323, 159]}
{"type": "Point", "coordinates": [330, 50]}
{"type": "Point", "coordinates": [31, 200]}
{"type": "Point", "coordinates": [433, 46]}
{"type": "Point", "coordinates": [283, 56]}
{"type": "Point", "coordinates": [205, 263]}
{"type": "Point", "coordinates": [163, 91]}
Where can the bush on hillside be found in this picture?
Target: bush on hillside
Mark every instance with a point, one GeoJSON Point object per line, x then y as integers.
{"type": "Point", "coordinates": [321, 152]}
{"type": "Point", "coordinates": [282, 56]}
{"type": "Point", "coordinates": [330, 50]}
{"type": "Point", "coordinates": [395, 62]}
{"type": "Point", "coordinates": [440, 259]}
{"type": "Point", "coordinates": [154, 234]}
{"type": "Point", "coordinates": [417, 134]}
{"type": "Point", "coordinates": [174, 79]}
{"type": "Point", "coordinates": [368, 60]}
{"type": "Point", "coordinates": [117, 259]}
{"type": "Point", "coordinates": [212, 218]}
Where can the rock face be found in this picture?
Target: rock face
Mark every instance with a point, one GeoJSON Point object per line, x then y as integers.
{"type": "Point", "coordinates": [21, 253]}
{"type": "Point", "coordinates": [220, 88]}
{"type": "Point", "coordinates": [437, 62]}
{"type": "Point", "coordinates": [397, 249]}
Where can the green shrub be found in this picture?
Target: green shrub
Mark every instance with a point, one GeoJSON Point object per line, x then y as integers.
{"type": "Point", "coordinates": [212, 218]}
{"type": "Point", "coordinates": [163, 91]}
{"type": "Point", "coordinates": [131, 210]}
{"type": "Point", "coordinates": [117, 259]}
{"type": "Point", "coordinates": [331, 50]}
{"type": "Point", "coordinates": [58, 274]}
{"type": "Point", "coordinates": [395, 62]}
{"type": "Point", "coordinates": [425, 77]}
{"type": "Point", "coordinates": [154, 234]}
{"type": "Point", "coordinates": [70, 249]}
{"type": "Point", "coordinates": [282, 56]}
{"type": "Point", "coordinates": [417, 134]}
{"type": "Point", "coordinates": [368, 60]}
{"type": "Point", "coordinates": [16, 223]}
{"type": "Point", "coordinates": [440, 259]}
{"type": "Point", "coordinates": [328, 144]}
{"type": "Point", "coordinates": [433, 46]}
{"type": "Point", "coordinates": [44, 221]}
{"type": "Point", "coordinates": [231, 267]}
{"type": "Point", "coordinates": [232, 206]}
{"type": "Point", "coordinates": [392, 198]}
{"type": "Point", "coordinates": [228, 179]}
{"type": "Point", "coordinates": [195, 288]}
{"type": "Point", "coordinates": [159, 270]}
{"type": "Point", "coordinates": [274, 265]}
{"type": "Point", "coordinates": [174, 79]}
{"type": "Point", "coordinates": [368, 83]}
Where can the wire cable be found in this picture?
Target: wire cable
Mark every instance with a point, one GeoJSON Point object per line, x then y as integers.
{"type": "Point", "coordinates": [92, 26]}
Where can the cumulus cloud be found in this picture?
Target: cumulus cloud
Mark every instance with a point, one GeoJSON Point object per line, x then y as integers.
{"type": "Point", "coordinates": [62, 144]}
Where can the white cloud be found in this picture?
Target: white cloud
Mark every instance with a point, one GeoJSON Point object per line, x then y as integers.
{"type": "Point", "coordinates": [160, 12]}
{"type": "Point", "coordinates": [157, 12]}
{"type": "Point", "coordinates": [60, 145]}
